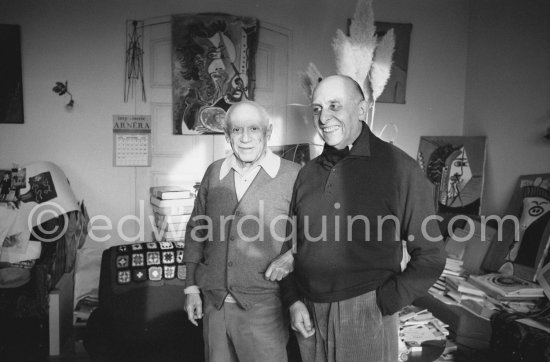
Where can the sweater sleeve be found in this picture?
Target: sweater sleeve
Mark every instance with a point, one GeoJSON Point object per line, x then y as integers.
{"type": "Point", "coordinates": [196, 232]}
{"type": "Point", "coordinates": [289, 291]}
{"type": "Point", "coordinates": [424, 244]}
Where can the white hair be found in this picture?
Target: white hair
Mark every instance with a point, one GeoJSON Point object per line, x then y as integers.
{"type": "Point", "coordinates": [263, 113]}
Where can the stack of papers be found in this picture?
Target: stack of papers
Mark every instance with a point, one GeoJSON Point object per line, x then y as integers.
{"type": "Point", "coordinates": [507, 287]}
{"type": "Point", "coordinates": [460, 289]}
{"type": "Point", "coordinates": [172, 207]}
{"type": "Point", "coordinates": [417, 326]}
{"type": "Point", "coordinates": [453, 268]}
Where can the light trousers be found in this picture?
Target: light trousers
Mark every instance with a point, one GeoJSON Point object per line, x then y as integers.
{"type": "Point", "coordinates": [233, 334]}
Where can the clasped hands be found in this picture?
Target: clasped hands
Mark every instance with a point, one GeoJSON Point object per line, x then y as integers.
{"type": "Point", "coordinates": [280, 267]}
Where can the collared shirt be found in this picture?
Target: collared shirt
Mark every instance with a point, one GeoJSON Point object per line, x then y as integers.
{"type": "Point", "coordinates": [244, 177]}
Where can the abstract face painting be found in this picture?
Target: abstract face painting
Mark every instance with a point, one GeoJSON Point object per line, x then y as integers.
{"type": "Point", "coordinates": [212, 68]}
{"type": "Point", "coordinates": [460, 174]}
{"type": "Point", "coordinates": [455, 165]}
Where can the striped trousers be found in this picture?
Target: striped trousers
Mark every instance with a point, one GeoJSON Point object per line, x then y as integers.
{"type": "Point", "coordinates": [351, 330]}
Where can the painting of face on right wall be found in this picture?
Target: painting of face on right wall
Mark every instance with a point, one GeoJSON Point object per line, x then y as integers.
{"type": "Point", "coordinates": [455, 165]}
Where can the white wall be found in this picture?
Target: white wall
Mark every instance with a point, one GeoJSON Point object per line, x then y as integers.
{"type": "Point", "coordinates": [508, 92]}
{"type": "Point", "coordinates": [83, 42]}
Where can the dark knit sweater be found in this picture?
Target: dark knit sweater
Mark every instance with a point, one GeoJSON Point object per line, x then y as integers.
{"type": "Point", "coordinates": [219, 258]}
{"type": "Point", "coordinates": [375, 180]}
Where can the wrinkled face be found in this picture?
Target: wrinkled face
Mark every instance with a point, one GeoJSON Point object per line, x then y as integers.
{"type": "Point", "coordinates": [337, 112]}
{"type": "Point", "coordinates": [247, 132]}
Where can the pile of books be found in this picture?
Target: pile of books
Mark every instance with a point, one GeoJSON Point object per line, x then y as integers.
{"type": "Point", "coordinates": [453, 268]}
{"type": "Point", "coordinates": [172, 207]}
{"type": "Point", "coordinates": [418, 326]}
{"type": "Point", "coordinates": [460, 289]}
{"type": "Point", "coordinates": [507, 287]}
{"type": "Point", "coordinates": [470, 296]}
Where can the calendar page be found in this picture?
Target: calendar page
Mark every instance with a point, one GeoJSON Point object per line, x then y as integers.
{"type": "Point", "coordinates": [131, 140]}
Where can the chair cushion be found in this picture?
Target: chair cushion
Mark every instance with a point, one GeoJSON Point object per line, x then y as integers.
{"type": "Point", "coordinates": [146, 264]}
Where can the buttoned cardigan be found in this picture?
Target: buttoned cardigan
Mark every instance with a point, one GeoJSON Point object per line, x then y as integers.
{"type": "Point", "coordinates": [228, 243]}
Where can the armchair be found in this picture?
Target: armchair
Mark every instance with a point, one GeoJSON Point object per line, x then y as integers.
{"type": "Point", "coordinates": [141, 299]}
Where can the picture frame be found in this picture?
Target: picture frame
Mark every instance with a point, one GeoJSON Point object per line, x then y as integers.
{"type": "Point", "coordinates": [455, 165]}
{"type": "Point", "coordinates": [213, 67]}
{"type": "Point", "coordinates": [11, 86]}
{"type": "Point", "coordinates": [395, 90]}
{"type": "Point", "coordinates": [11, 181]}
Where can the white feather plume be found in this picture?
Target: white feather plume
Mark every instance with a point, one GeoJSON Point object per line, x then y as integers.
{"type": "Point", "coordinates": [354, 53]}
{"type": "Point", "coordinates": [381, 68]}
{"type": "Point", "coordinates": [362, 28]}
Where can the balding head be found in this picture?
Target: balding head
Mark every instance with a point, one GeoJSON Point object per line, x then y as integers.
{"type": "Point", "coordinates": [338, 110]}
{"type": "Point", "coordinates": [349, 85]}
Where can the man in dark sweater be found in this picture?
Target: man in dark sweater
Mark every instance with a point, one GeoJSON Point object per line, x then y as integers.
{"type": "Point", "coordinates": [352, 210]}
{"type": "Point", "coordinates": [236, 229]}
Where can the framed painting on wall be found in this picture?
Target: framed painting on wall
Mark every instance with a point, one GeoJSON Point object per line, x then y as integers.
{"type": "Point", "coordinates": [455, 165]}
{"type": "Point", "coordinates": [11, 80]}
{"type": "Point", "coordinates": [212, 68]}
{"type": "Point", "coordinates": [396, 89]}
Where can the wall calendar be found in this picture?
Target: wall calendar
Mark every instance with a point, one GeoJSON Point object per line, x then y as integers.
{"type": "Point", "coordinates": [131, 140]}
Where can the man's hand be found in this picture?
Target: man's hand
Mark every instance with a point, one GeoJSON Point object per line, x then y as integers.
{"type": "Point", "coordinates": [280, 267]}
{"type": "Point", "coordinates": [193, 307]}
{"type": "Point", "coordinates": [300, 321]}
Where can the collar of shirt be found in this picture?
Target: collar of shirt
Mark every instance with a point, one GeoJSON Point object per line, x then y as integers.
{"type": "Point", "coordinates": [361, 146]}
{"type": "Point", "coordinates": [269, 162]}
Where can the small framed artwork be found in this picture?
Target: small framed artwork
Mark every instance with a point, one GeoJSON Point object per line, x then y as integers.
{"type": "Point", "coordinates": [11, 181]}
{"type": "Point", "coordinates": [455, 165]}
{"type": "Point", "coordinates": [11, 84]}
{"type": "Point", "coordinates": [396, 88]}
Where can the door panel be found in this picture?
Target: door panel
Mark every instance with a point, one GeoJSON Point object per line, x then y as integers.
{"type": "Point", "coordinates": [183, 159]}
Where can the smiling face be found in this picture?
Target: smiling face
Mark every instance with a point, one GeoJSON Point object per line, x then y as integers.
{"type": "Point", "coordinates": [338, 111]}
{"type": "Point", "coordinates": [247, 130]}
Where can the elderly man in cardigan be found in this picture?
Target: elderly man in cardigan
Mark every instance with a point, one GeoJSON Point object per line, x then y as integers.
{"type": "Point", "coordinates": [237, 228]}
